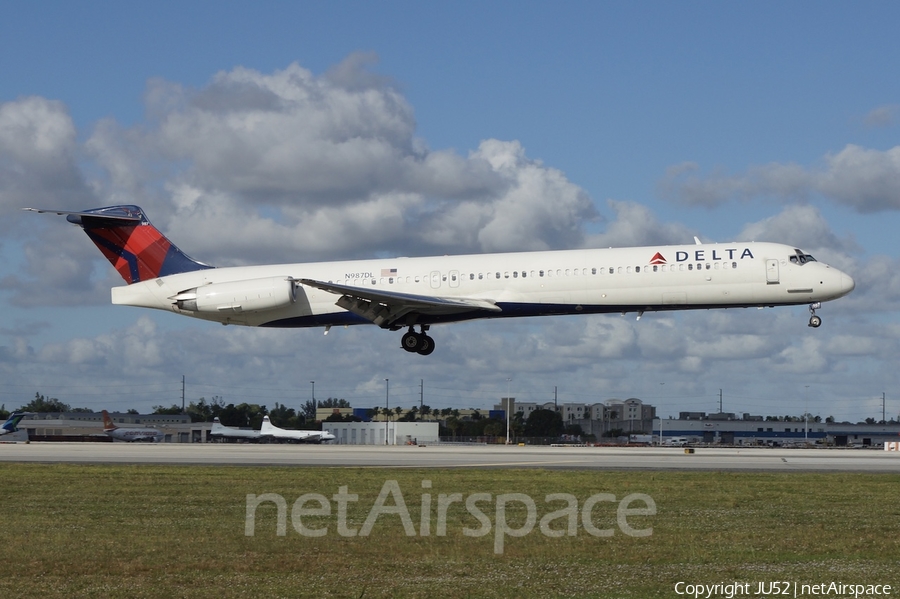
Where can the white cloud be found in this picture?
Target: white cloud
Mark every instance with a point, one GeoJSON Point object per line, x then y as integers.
{"type": "Point", "coordinates": [865, 180]}
{"type": "Point", "coordinates": [38, 158]}
{"type": "Point", "coordinates": [268, 167]}
{"type": "Point", "coordinates": [635, 224]}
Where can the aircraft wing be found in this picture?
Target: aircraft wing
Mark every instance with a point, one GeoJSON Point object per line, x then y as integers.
{"type": "Point", "coordinates": [387, 309]}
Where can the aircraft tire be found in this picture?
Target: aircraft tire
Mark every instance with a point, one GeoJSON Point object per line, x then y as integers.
{"type": "Point", "coordinates": [411, 342]}
{"type": "Point", "coordinates": [427, 345]}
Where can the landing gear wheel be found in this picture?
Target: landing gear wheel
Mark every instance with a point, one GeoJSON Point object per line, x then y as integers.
{"type": "Point", "coordinates": [426, 345]}
{"type": "Point", "coordinates": [411, 341]}
{"type": "Point", "coordinates": [814, 321]}
{"type": "Point", "coordinates": [419, 343]}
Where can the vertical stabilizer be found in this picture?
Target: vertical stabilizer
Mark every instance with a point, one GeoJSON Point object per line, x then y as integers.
{"type": "Point", "coordinates": [108, 424]}
{"type": "Point", "coordinates": [135, 248]}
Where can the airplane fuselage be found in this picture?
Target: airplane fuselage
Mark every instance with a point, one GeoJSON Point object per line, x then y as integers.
{"type": "Point", "coordinates": [135, 434]}
{"type": "Point", "coordinates": [518, 284]}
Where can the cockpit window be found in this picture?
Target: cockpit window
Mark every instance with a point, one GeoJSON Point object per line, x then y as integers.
{"type": "Point", "coordinates": [801, 258]}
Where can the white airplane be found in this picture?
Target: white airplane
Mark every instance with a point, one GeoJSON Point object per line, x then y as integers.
{"type": "Point", "coordinates": [404, 293]}
{"type": "Point", "coordinates": [11, 423]}
{"type": "Point", "coordinates": [270, 430]}
{"type": "Point", "coordinates": [228, 432]}
{"type": "Point", "coordinates": [130, 434]}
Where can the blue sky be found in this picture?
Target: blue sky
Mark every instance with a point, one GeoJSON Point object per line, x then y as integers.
{"type": "Point", "coordinates": [723, 120]}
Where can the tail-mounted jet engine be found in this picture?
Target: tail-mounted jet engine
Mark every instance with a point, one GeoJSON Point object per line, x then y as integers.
{"type": "Point", "coordinates": [253, 295]}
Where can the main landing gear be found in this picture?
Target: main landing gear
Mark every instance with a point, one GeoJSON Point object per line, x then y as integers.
{"type": "Point", "coordinates": [419, 343]}
{"type": "Point", "coordinates": [814, 321]}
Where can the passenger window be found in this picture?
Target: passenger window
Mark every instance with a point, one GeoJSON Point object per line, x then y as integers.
{"type": "Point", "coordinates": [515, 274]}
{"type": "Point", "coordinates": [593, 271]}
{"type": "Point", "coordinates": [637, 269]}
{"type": "Point", "coordinates": [655, 268]}
{"type": "Point", "coordinates": [541, 273]}
{"type": "Point", "coordinates": [690, 267]}
{"type": "Point", "coordinates": [498, 275]}
{"type": "Point", "coordinates": [612, 270]}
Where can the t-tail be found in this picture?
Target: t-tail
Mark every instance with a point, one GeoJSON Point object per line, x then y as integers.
{"type": "Point", "coordinates": [10, 425]}
{"type": "Point", "coordinates": [131, 244]}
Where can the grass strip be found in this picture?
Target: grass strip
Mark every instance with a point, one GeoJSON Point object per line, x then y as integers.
{"type": "Point", "coordinates": [150, 531]}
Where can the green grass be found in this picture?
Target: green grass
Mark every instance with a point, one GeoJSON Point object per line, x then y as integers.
{"type": "Point", "coordinates": [160, 531]}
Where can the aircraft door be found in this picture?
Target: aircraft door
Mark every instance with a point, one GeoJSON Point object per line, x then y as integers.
{"type": "Point", "coordinates": [435, 279]}
{"type": "Point", "coordinates": [772, 272]}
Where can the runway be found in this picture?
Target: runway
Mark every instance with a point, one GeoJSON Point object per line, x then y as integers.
{"type": "Point", "coordinates": [453, 456]}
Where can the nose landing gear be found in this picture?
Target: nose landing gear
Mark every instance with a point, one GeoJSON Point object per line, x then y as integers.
{"type": "Point", "coordinates": [419, 343]}
{"type": "Point", "coordinates": [814, 321]}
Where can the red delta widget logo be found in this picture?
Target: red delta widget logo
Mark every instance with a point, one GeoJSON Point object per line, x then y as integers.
{"type": "Point", "coordinates": [703, 255]}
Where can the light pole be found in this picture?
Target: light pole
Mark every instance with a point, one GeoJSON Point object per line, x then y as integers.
{"type": "Point", "coordinates": [387, 388]}
{"type": "Point", "coordinates": [314, 406]}
{"type": "Point", "coordinates": [660, 416]}
{"type": "Point", "coordinates": [806, 416]}
{"type": "Point", "coordinates": [507, 409]}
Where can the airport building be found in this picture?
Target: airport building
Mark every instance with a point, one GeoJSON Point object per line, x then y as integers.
{"type": "Point", "coordinates": [731, 429]}
{"type": "Point", "coordinates": [88, 426]}
{"type": "Point", "coordinates": [383, 433]}
{"type": "Point", "coordinates": [628, 416]}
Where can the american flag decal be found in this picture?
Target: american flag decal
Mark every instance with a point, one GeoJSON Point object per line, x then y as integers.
{"type": "Point", "coordinates": [388, 272]}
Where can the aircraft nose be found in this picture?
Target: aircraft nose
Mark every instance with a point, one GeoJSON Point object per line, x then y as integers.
{"type": "Point", "coordinates": [847, 283]}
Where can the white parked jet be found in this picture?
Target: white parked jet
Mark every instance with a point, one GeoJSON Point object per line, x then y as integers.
{"type": "Point", "coordinates": [130, 434]}
{"type": "Point", "coordinates": [270, 430]}
{"type": "Point", "coordinates": [228, 432]}
{"type": "Point", "coordinates": [404, 293]}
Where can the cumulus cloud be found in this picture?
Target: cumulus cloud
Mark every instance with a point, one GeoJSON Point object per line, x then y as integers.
{"type": "Point", "coordinates": [286, 166]}
{"type": "Point", "coordinates": [865, 180]}
{"type": "Point", "coordinates": [635, 224]}
{"type": "Point", "coordinates": [268, 167]}
{"type": "Point", "coordinates": [38, 158]}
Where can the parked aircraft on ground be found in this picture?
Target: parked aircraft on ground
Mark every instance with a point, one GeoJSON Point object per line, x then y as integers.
{"type": "Point", "coordinates": [405, 293]}
{"type": "Point", "coordinates": [270, 430]}
{"type": "Point", "coordinates": [130, 434]}
{"type": "Point", "coordinates": [228, 432]}
{"type": "Point", "coordinates": [11, 423]}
